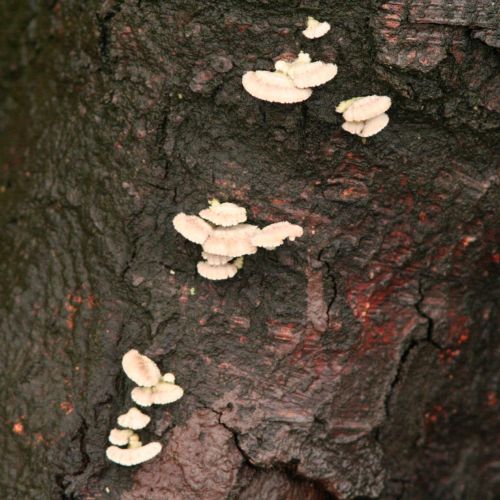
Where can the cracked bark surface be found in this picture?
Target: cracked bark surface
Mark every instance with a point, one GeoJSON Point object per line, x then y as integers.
{"type": "Point", "coordinates": [359, 361]}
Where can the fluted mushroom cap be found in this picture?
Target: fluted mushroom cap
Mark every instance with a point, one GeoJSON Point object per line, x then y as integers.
{"type": "Point", "coordinates": [216, 272]}
{"type": "Point", "coordinates": [160, 394]}
{"type": "Point", "coordinates": [192, 227]}
{"type": "Point", "coordinates": [312, 74]}
{"type": "Point", "coordinates": [232, 241]}
{"type": "Point", "coordinates": [133, 419]}
{"type": "Point", "coordinates": [315, 29]}
{"type": "Point", "coordinates": [224, 214]}
{"type": "Point", "coordinates": [354, 128]}
{"type": "Point", "coordinates": [133, 456]}
{"type": "Point", "coordinates": [273, 87]}
{"type": "Point", "coordinates": [140, 369]}
{"type": "Point", "coordinates": [216, 260]}
{"type": "Point", "coordinates": [364, 108]}
{"type": "Point", "coordinates": [120, 437]}
{"type": "Point", "coordinates": [367, 128]}
{"type": "Point", "coordinates": [275, 234]}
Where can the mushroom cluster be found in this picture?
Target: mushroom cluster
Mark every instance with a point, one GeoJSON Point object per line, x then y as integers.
{"type": "Point", "coordinates": [226, 238]}
{"type": "Point", "coordinates": [291, 82]}
{"type": "Point", "coordinates": [365, 116]}
{"type": "Point", "coordinates": [159, 389]}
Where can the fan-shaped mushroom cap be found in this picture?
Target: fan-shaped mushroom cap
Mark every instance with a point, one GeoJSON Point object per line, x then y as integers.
{"type": "Point", "coordinates": [162, 393]}
{"type": "Point", "coordinates": [214, 272]}
{"type": "Point", "coordinates": [133, 456]}
{"type": "Point", "coordinates": [312, 74]}
{"type": "Point", "coordinates": [315, 29]}
{"type": "Point", "coordinates": [353, 127]}
{"type": "Point", "coordinates": [275, 234]}
{"type": "Point", "coordinates": [192, 227]}
{"type": "Point", "coordinates": [140, 369]}
{"type": "Point", "coordinates": [273, 87]}
{"type": "Point", "coordinates": [224, 214]}
{"type": "Point", "coordinates": [120, 437]}
{"type": "Point", "coordinates": [231, 241]}
{"type": "Point", "coordinates": [367, 128]}
{"type": "Point", "coordinates": [214, 259]}
{"type": "Point", "coordinates": [367, 107]}
{"type": "Point", "coordinates": [374, 125]}
{"type": "Point", "coordinates": [133, 419]}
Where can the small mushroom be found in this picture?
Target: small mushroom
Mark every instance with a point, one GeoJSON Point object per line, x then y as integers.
{"type": "Point", "coordinates": [315, 29]}
{"type": "Point", "coordinates": [274, 235]}
{"type": "Point", "coordinates": [192, 227]}
{"type": "Point", "coordinates": [273, 87]}
{"type": "Point", "coordinates": [307, 74]}
{"type": "Point", "coordinates": [216, 260]}
{"type": "Point", "coordinates": [133, 455]}
{"type": "Point", "coordinates": [216, 272]}
{"type": "Point", "coordinates": [364, 108]}
{"type": "Point", "coordinates": [224, 214]}
{"type": "Point", "coordinates": [369, 127]}
{"type": "Point", "coordinates": [140, 369]}
{"type": "Point", "coordinates": [168, 377]}
{"type": "Point", "coordinates": [354, 128]}
{"type": "Point", "coordinates": [231, 241]}
{"type": "Point", "coordinates": [133, 419]}
{"type": "Point", "coordinates": [120, 437]}
{"type": "Point", "coordinates": [160, 394]}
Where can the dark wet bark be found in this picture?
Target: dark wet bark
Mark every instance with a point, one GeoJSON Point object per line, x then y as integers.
{"type": "Point", "coordinates": [358, 361]}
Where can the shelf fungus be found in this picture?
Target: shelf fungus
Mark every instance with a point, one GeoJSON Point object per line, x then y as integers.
{"type": "Point", "coordinates": [140, 369]}
{"type": "Point", "coordinates": [133, 419]}
{"type": "Point", "coordinates": [230, 240]}
{"type": "Point", "coordinates": [161, 394]}
{"type": "Point", "coordinates": [192, 227]}
{"type": "Point", "coordinates": [365, 116]}
{"type": "Point", "coordinates": [135, 454]}
{"type": "Point", "coordinates": [274, 235]}
{"type": "Point", "coordinates": [273, 86]}
{"type": "Point", "coordinates": [305, 73]}
{"type": "Point", "coordinates": [316, 29]}
{"type": "Point", "coordinates": [120, 437]}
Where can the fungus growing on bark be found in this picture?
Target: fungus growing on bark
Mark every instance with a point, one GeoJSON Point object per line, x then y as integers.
{"type": "Point", "coordinates": [224, 249]}
{"type": "Point", "coordinates": [231, 241]}
{"type": "Point", "coordinates": [273, 86]}
{"type": "Point", "coordinates": [361, 109]}
{"type": "Point", "coordinates": [120, 437]}
{"type": "Point", "coordinates": [365, 116]}
{"type": "Point", "coordinates": [161, 394]}
{"type": "Point", "coordinates": [135, 454]}
{"type": "Point", "coordinates": [307, 74]}
{"type": "Point", "coordinates": [274, 235]}
{"type": "Point", "coordinates": [216, 271]}
{"type": "Point", "coordinates": [140, 369]}
{"type": "Point", "coordinates": [315, 29]}
{"type": "Point", "coordinates": [192, 227]}
{"type": "Point", "coordinates": [133, 419]}
{"type": "Point", "coordinates": [224, 214]}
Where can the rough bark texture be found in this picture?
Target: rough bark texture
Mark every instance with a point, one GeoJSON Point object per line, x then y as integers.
{"type": "Point", "coordinates": [358, 361]}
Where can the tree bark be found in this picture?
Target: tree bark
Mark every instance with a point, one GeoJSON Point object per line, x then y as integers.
{"type": "Point", "coordinates": [358, 361]}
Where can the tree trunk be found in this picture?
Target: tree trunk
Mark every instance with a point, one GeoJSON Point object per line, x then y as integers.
{"type": "Point", "coordinates": [358, 361]}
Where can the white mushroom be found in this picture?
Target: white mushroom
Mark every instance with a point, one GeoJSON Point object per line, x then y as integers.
{"type": "Point", "coordinates": [315, 29]}
{"type": "Point", "coordinates": [231, 241]}
{"type": "Point", "coordinates": [133, 455]}
{"type": "Point", "coordinates": [367, 128]}
{"type": "Point", "coordinates": [120, 437]}
{"type": "Point", "coordinates": [273, 87]}
{"type": "Point", "coordinates": [160, 394]}
{"type": "Point", "coordinates": [133, 419]}
{"type": "Point", "coordinates": [216, 272]}
{"type": "Point", "coordinates": [168, 377]}
{"type": "Point", "coordinates": [216, 260]}
{"type": "Point", "coordinates": [224, 214]}
{"type": "Point", "coordinates": [192, 227]}
{"type": "Point", "coordinates": [307, 74]}
{"type": "Point", "coordinates": [364, 108]}
{"type": "Point", "coordinates": [140, 369]}
{"type": "Point", "coordinates": [275, 234]}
